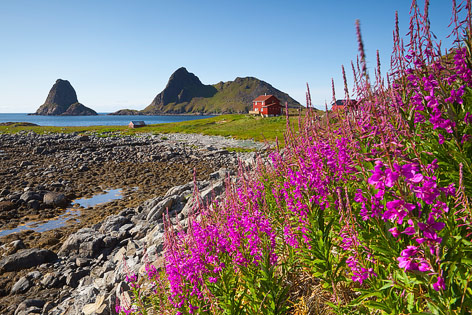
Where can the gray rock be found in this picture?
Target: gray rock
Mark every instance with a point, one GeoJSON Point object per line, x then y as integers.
{"type": "Point", "coordinates": [26, 258]}
{"type": "Point", "coordinates": [92, 248]}
{"type": "Point", "coordinates": [16, 245]}
{"type": "Point", "coordinates": [33, 275]}
{"type": "Point", "coordinates": [47, 307]}
{"type": "Point", "coordinates": [25, 163]}
{"type": "Point", "coordinates": [84, 243]}
{"type": "Point", "coordinates": [62, 100]}
{"type": "Point", "coordinates": [51, 280]}
{"type": "Point", "coordinates": [73, 278]}
{"type": "Point", "coordinates": [127, 227]}
{"type": "Point", "coordinates": [156, 212]}
{"type": "Point", "coordinates": [98, 307]}
{"type": "Point", "coordinates": [55, 199]}
{"type": "Point", "coordinates": [30, 195]}
{"type": "Point", "coordinates": [34, 204]}
{"type": "Point", "coordinates": [177, 190]}
{"type": "Point", "coordinates": [21, 286]}
{"type": "Point", "coordinates": [113, 223]}
{"type": "Point", "coordinates": [82, 262]}
{"type": "Point", "coordinates": [139, 230]}
{"type": "Point", "coordinates": [27, 304]}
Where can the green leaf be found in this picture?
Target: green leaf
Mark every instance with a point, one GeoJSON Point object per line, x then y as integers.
{"type": "Point", "coordinates": [378, 306]}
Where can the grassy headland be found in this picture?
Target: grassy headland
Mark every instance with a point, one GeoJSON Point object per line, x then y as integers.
{"type": "Point", "coordinates": [233, 125]}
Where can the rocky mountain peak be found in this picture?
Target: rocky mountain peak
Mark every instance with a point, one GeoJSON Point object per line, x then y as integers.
{"type": "Point", "coordinates": [62, 94]}
{"type": "Point", "coordinates": [182, 87]}
{"type": "Point", "coordinates": [62, 100]}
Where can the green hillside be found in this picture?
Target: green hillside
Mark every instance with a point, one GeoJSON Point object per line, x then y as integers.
{"type": "Point", "coordinates": [186, 94]}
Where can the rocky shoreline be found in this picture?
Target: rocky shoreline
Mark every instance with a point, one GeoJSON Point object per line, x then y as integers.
{"type": "Point", "coordinates": [78, 268]}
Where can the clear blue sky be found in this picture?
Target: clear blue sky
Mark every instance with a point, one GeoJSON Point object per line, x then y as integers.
{"type": "Point", "coordinates": [120, 54]}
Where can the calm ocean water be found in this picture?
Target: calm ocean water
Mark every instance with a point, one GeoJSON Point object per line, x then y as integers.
{"type": "Point", "coordinates": [101, 120]}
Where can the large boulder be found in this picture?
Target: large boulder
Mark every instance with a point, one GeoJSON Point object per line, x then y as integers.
{"type": "Point", "coordinates": [55, 199]}
{"type": "Point", "coordinates": [26, 258]}
{"type": "Point", "coordinates": [85, 243]}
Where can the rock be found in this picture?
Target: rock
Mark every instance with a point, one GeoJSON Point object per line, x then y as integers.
{"type": "Point", "coordinates": [156, 212]}
{"type": "Point", "coordinates": [47, 307]}
{"type": "Point", "coordinates": [14, 246]}
{"type": "Point", "coordinates": [26, 258]}
{"type": "Point", "coordinates": [21, 286]}
{"type": "Point", "coordinates": [82, 262]}
{"type": "Point", "coordinates": [78, 109]}
{"type": "Point", "coordinates": [34, 204]}
{"type": "Point", "coordinates": [62, 100]}
{"type": "Point", "coordinates": [55, 199]}
{"type": "Point", "coordinates": [6, 206]}
{"type": "Point", "coordinates": [25, 163]}
{"type": "Point", "coordinates": [181, 87]}
{"type": "Point", "coordinates": [120, 255]}
{"type": "Point", "coordinates": [177, 190]}
{"type": "Point", "coordinates": [30, 195]}
{"type": "Point", "coordinates": [84, 243]}
{"type": "Point", "coordinates": [33, 275]}
{"type": "Point", "coordinates": [113, 223]}
{"type": "Point", "coordinates": [99, 307]}
{"type": "Point", "coordinates": [131, 249]}
{"type": "Point", "coordinates": [72, 280]}
{"type": "Point", "coordinates": [26, 304]}
{"type": "Point", "coordinates": [51, 280]}
{"type": "Point", "coordinates": [92, 248]}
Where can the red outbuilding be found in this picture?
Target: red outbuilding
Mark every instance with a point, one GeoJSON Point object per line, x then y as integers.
{"type": "Point", "coordinates": [266, 105]}
{"type": "Point", "coordinates": [344, 105]}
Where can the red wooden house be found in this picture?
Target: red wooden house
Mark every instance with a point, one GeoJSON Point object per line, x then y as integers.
{"type": "Point", "coordinates": [266, 105]}
{"type": "Point", "coordinates": [344, 105]}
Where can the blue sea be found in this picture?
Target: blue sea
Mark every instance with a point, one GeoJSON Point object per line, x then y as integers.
{"type": "Point", "coordinates": [102, 119]}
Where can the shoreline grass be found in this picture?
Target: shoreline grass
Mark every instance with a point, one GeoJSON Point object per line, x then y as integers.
{"type": "Point", "coordinates": [238, 126]}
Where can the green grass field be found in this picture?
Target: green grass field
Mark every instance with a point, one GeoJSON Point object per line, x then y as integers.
{"type": "Point", "coordinates": [235, 125]}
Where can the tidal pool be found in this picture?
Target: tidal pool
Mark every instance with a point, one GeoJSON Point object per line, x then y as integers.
{"type": "Point", "coordinates": [71, 213]}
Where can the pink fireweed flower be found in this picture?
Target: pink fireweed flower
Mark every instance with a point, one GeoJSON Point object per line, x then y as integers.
{"type": "Point", "coordinates": [456, 95]}
{"type": "Point", "coordinates": [410, 172]}
{"type": "Point", "coordinates": [411, 261]}
{"type": "Point", "coordinates": [440, 138]}
{"type": "Point", "coordinates": [397, 210]}
{"type": "Point", "coordinates": [151, 271]}
{"type": "Point", "coordinates": [428, 192]}
{"type": "Point", "coordinates": [465, 138]}
{"type": "Point", "coordinates": [359, 273]}
{"type": "Point", "coordinates": [430, 227]}
{"type": "Point", "coordinates": [411, 229]}
{"type": "Point", "coordinates": [468, 118]}
{"type": "Point", "coordinates": [439, 284]}
{"type": "Point", "coordinates": [381, 179]}
{"type": "Point", "coordinates": [394, 232]}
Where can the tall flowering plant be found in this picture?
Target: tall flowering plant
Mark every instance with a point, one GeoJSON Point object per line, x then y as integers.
{"type": "Point", "coordinates": [371, 205]}
{"type": "Point", "coordinates": [226, 261]}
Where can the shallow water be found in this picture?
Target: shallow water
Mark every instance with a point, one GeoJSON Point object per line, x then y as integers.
{"type": "Point", "coordinates": [99, 120]}
{"type": "Point", "coordinates": [71, 213]}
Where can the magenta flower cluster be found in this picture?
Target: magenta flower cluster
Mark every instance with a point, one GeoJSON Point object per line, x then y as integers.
{"type": "Point", "coordinates": [232, 234]}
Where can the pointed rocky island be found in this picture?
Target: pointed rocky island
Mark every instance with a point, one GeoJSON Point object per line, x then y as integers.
{"type": "Point", "coordinates": [62, 100]}
{"type": "Point", "coordinates": [186, 94]}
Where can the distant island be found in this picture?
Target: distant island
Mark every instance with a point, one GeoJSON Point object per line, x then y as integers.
{"type": "Point", "coordinates": [186, 94]}
{"type": "Point", "coordinates": [62, 100]}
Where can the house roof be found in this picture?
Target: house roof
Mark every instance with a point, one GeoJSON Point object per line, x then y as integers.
{"type": "Point", "coordinates": [262, 98]}
{"type": "Point", "coordinates": [138, 122]}
{"type": "Point", "coordinates": [344, 102]}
